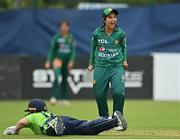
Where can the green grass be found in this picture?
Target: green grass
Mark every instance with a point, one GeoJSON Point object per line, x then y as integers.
{"type": "Point", "coordinates": [146, 119]}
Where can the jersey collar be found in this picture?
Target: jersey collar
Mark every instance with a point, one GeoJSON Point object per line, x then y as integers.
{"type": "Point", "coordinates": [103, 28]}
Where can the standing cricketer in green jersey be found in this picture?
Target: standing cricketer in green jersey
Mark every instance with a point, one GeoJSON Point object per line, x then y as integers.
{"type": "Point", "coordinates": [61, 56]}
{"type": "Point", "coordinates": [108, 57]}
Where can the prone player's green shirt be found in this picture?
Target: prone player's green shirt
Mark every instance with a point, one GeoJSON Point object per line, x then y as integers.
{"type": "Point", "coordinates": [106, 49]}
{"type": "Point", "coordinates": [62, 48]}
{"type": "Point", "coordinates": [36, 122]}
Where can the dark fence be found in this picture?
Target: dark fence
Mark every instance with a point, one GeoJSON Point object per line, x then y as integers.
{"type": "Point", "coordinates": [10, 77]}
{"type": "Point", "coordinates": [26, 78]}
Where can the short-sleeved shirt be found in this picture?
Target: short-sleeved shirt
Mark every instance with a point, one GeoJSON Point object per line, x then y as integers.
{"type": "Point", "coordinates": [36, 121]}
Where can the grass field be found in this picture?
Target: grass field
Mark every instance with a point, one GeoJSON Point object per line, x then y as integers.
{"type": "Point", "coordinates": [146, 119]}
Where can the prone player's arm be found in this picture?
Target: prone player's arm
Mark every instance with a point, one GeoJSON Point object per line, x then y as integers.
{"type": "Point", "coordinates": [21, 124]}
{"type": "Point", "coordinates": [92, 51]}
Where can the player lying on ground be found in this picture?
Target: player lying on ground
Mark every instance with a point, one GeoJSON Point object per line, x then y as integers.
{"type": "Point", "coordinates": [42, 122]}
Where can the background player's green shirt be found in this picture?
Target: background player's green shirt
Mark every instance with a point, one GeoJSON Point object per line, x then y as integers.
{"type": "Point", "coordinates": [62, 48]}
{"type": "Point", "coordinates": [108, 50]}
{"type": "Point", "coordinates": [36, 122]}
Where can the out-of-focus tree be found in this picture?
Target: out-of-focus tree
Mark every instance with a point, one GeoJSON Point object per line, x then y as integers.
{"type": "Point", "coordinates": [13, 4]}
{"type": "Point", "coordinates": [3, 4]}
{"type": "Point", "coordinates": [143, 2]}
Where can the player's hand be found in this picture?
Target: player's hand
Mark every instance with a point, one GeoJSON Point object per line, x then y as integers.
{"type": "Point", "coordinates": [125, 64]}
{"type": "Point", "coordinates": [90, 68]}
{"type": "Point", "coordinates": [57, 63]}
{"type": "Point", "coordinates": [10, 130]}
{"type": "Point", "coordinates": [47, 65]}
{"type": "Point", "coordinates": [70, 65]}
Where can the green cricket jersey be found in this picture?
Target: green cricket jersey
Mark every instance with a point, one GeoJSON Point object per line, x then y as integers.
{"type": "Point", "coordinates": [108, 50]}
{"type": "Point", "coordinates": [62, 48]}
{"type": "Point", "coordinates": [36, 122]}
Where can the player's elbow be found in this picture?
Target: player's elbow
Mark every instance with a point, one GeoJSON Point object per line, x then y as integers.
{"type": "Point", "coordinates": [21, 123]}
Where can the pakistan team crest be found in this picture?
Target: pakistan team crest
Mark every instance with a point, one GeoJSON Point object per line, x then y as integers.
{"type": "Point", "coordinates": [116, 42]}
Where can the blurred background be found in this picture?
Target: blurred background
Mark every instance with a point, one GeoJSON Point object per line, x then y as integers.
{"type": "Point", "coordinates": [153, 39]}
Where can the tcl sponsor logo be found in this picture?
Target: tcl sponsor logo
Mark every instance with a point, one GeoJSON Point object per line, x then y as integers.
{"type": "Point", "coordinates": [102, 41]}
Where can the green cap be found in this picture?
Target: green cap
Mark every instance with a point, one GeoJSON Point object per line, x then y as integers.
{"type": "Point", "coordinates": [107, 11]}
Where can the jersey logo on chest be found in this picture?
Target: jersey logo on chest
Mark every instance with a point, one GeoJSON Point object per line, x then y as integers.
{"type": "Point", "coordinates": [102, 41]}
{"type": "Point", "coordinates": [116, 42]}
{"type": "Point", "coordinates": [101, 49]}
{"type": "Point", "coordinates": [61, 40]}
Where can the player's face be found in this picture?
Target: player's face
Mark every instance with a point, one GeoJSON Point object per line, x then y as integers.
{"type": "Point", "coordinates": [64, 28]}
{"type": "Point", "coordinates": [111, 21]}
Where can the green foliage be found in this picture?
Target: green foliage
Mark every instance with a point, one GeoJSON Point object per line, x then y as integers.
{"type": "Point", "coordinates": [12, 4]}
{"type": "Point", "coordinates": [143, 2]}
{"type": "Point", "coordinates": [6, 4]}
{"type": "Point", "coordinates": [3, 3]}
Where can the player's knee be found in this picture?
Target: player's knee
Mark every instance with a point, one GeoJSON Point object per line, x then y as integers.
{"type": "Point", "coordinates": [118, 93]}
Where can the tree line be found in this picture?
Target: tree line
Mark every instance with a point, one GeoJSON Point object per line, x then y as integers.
{"type": "Point", "coordinates": [15, 4]}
